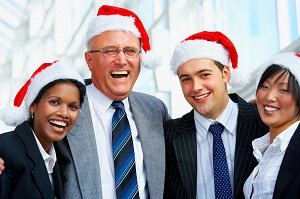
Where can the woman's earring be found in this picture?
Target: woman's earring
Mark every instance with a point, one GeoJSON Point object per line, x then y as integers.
{"type": "Point", "coordinates": [31, 115]}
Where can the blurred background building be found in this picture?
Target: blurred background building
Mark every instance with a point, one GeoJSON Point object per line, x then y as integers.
{"type": "Point", "coordinates": [35, 31]}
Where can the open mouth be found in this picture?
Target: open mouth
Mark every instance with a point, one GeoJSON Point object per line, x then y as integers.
{"type": "Point", "coordinates": [119, 74]}
{"type": "Point", "coordinates": [201, 97]}
{"type": "Point", "coordinates": [270, 109]}
{"type": "Point", "coordinates": [60, 125]}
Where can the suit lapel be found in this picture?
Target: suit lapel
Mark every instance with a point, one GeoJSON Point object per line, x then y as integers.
{"type": "Point", "coordinates": [150, 135]}
{"type": "Point", "coordinates": [185, 146]}
{"type": "Point", "coordinates": [289, 166]}
{"type": "Point", "coordinates": [39, 171]}
{"type": "Point", "coordinates": [58, 182]}
{"type": "Point", "coordinates": [248, 128]}
{"type": "Point", "coordinates": [82, 143]}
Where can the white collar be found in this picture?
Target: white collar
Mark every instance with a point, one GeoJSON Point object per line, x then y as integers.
{"type": "Point", "coordinates": [102, 100]}
{"type": "Point", "coordinates": [280, 142]}
{"type": "Point", "coordinates": [225, 118]}
{"type": "Point", "coordinates": [49, 159]}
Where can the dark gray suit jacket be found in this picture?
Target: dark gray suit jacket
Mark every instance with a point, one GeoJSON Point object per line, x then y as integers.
{"type": "Point", "coordinates": [25, 175]}
{"type": "Point", "coordinates": [181, 151]}
{"type": "Point", "coordinates": [79, 151]}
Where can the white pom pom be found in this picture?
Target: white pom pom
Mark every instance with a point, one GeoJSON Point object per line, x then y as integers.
{"type": "Point", "coordinates": [238, 78]}
{"type": "Point", "coordinates": [151, 60]}
{"type": "Point", "coordinates": [13, 116]}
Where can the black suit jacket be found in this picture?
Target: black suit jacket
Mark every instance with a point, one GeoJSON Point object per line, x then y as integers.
{"type": "Point", "coordinates": [25, 175]}
{"type": "Point", "coordinates": [287, 184]}
{"type": "Point", "coordinates": [181, 151]}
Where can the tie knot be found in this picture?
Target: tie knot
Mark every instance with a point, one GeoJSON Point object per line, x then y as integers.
{"type": "Point", "coordinates": [216, 128]}
{"type": "Point", "coordinates": [117, 104]}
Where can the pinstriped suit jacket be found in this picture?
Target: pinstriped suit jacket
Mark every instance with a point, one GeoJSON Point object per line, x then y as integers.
{"type": "Point", "coordinates": [181, 151]}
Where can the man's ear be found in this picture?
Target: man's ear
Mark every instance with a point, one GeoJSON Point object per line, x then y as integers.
{"type": "Point", "coordinates": [226, 74]}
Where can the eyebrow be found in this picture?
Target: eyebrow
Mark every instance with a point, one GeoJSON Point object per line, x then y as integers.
{"type": "Point", "coordinates": [198, 72]}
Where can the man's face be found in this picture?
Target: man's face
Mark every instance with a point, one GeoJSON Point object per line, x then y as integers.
{"type": "Point", "coordinates": [204, 86]}
{"type": "Point", "coordinates": [114, 76]}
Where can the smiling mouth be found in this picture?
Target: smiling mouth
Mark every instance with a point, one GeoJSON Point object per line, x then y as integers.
{"type": "Point", "coordinates": [58, 124]}
{"type": "Point", "coordinates": [270, 109]}
{"type": "Point", "coordinates": [119, 74]}
{"type": "Point", "coordinates": [201, 97]}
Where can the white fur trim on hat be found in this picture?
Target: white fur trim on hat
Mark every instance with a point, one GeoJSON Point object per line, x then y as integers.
{"type": "Point", "coordinates": [194, 49]}
{"type": "Point", "coordinates": [287, 60]}
{"type": "Point", "coordinates": [104, 23]}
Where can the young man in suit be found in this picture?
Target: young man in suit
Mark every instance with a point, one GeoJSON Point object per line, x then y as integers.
{"type": "Point", "coordinates": [206, 63]}
{"type": "Point", "coordinates": [117, 46]}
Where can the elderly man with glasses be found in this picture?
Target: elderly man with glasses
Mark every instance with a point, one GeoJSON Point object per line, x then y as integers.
{"type": "Point", "coordinates": [97, 171]}
{"type": "Point", "coordinates": [94, 157]}
{"type": "Point", "coordinates": [116, 148]}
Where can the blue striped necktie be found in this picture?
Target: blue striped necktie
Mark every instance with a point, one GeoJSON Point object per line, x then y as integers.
{"type": "Point", "coordinates": [221, 174]}
{"type": "Point", "coordinates": [123, 154]}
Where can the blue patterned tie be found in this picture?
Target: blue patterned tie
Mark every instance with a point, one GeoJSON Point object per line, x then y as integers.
{"type": "Point", "coordinates": [221, 174]}
{"type": "Point", "coordinates": [123, 154]}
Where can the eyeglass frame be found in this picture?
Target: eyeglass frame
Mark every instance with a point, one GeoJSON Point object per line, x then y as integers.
{"type": "Point", "coordinates": [105, 50]}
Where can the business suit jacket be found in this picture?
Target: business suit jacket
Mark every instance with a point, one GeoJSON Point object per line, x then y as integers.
{"type": "Point", "coordinates": [181, 151]}
{"type": "Point", "coordinates": [80, 150]}
{"type": "Point", "coordinates": [25, 175]}
{"type": "Point", "coordinates": [287, 184]}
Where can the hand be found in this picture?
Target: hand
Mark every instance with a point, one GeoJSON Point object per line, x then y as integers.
{"type": "Point", "coordinates": [2, 167]}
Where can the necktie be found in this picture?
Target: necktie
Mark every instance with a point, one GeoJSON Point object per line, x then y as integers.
{"type": "Point", "coordinates": [221, 173]}
{"type": "Point", "coordinates": [123, 154]}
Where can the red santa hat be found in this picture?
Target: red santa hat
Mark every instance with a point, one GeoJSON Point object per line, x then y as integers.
{"type": "Point", "coordinates": [289, 60]}
{"type": "Point", "coordinates": [45, 74]}
{"type": "Point", "coordinates": [115, 18]}
{"type": "Point", "coordinates": [211, 45]}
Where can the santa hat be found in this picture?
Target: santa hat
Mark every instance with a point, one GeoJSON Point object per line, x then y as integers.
{"type": "Point", "coordinates": [45, 74]}
{"type": "Point", "coordinates": [211, 45]}
{"type": "Point", "coordinates": [115, 18]}
{"type": "Point", "coordinates": [288, 60]}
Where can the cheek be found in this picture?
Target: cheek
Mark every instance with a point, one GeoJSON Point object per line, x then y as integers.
{"type": "Point", "coordinates": [259, 97]}
{"type": "Point", "coordinates": [74, 116]}
{"type": "Point", "coordinates": [288, 103]}
{"type": "Point", "coordinates": [185, 88]}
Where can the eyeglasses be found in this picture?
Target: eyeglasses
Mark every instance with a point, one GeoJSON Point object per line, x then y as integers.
{"type": "Point", "coordinates": [111, 52]}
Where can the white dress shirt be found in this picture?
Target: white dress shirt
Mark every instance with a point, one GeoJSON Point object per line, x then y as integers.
{"type": "Point", "coordinates": [49, 159]}
{"type": "Point", "coordinates": [102, 112]}
{"type": "Point", "coordinates": [205, 172]}
{"type": "Point", "coordinates": [261, 182]}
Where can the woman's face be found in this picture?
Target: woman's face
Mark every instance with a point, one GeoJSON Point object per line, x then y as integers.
{"type": "Point", "coordinates": [275, 103]}
{"type": "Point", "coordinates": [56, 112]}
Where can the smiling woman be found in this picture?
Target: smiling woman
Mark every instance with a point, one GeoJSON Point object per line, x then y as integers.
{"type": "Point", "coordinates": [277, 174]}
{"type": "Point", "coordinates": [53, 96]}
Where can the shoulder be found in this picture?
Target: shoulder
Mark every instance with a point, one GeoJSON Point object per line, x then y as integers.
{"type": "Point", "coordinates": [143, 97]}
{"type": "Point", "coordinates": [245, 108]}
{"type": "Point", "coordinates": [146, 101]}
{"type": "Point", "coordinates": [184, 123]}
{"type": "Point", "coordinates": [10, 142]}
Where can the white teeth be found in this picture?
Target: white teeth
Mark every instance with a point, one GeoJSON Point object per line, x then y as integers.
{"type": "Point", "coordinates": [201, 97]}
{"type": "Point", "coordinates": [270, 109]}
{"type": "Point", "coordinates": [59, 123]}
{"type": "Point", "coordinates": [119, 72]}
